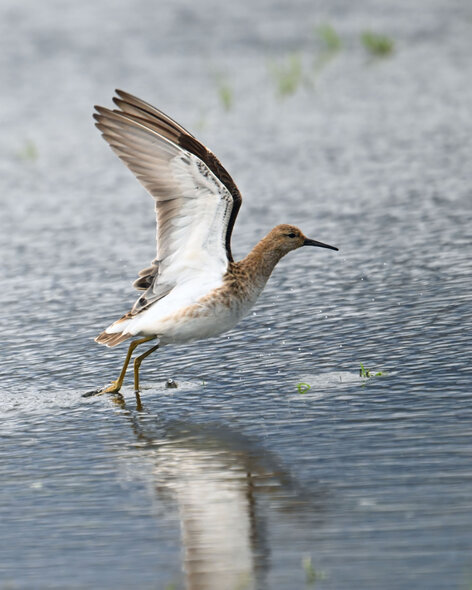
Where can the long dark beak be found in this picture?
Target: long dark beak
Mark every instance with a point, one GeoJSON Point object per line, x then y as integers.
{"type": "Point", "coordinates": [309, 242]}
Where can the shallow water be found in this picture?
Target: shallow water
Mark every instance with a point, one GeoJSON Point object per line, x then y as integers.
{"type": "Point", "coordinates": [233, 479]}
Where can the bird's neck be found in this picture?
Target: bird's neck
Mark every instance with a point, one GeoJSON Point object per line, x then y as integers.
{"type": "Point", "coordinates": [260, 262]}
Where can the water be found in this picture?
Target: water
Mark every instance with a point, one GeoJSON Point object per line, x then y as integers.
{"type": "Point", "coordinates": [235, 479]}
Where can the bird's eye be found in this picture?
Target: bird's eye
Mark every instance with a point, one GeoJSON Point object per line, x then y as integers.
{"type": "Point", "coordinates": [292, 235]}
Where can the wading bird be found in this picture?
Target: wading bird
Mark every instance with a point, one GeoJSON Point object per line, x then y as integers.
{"type": "Point", "coordinates": [193, 288]}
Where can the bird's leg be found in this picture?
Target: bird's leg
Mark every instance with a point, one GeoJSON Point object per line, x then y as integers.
{"type": "Point", "coordinates": [115, 386]}
{"type": "Point", "coordinates": [139, 405]}
{"type": "Point", "coordinates": [137, 363]}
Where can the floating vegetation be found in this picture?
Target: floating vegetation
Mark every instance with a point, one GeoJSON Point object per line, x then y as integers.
{"type": "Point", "coordinates": [29, 151]}
{"type": "Point", "coordinates": [377, 45]}
{"type": "Point", "coordinates": [303, 387]}
{"type": "Point", "coordinates": [311, 575]}
{"type": "Point", "coordinates": [225, 92]}
{"type": "Point", "coordinates": [330, 38]}
{"type": "Point", "coordinates": [288, 75]}
{"type": "Point", "coordinates": [367, 373]}
{"type": "Point", "coordinates": [331, 43]}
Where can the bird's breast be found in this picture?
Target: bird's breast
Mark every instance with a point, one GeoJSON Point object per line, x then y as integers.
{"type": "Point", "coordinates": [212, 315]}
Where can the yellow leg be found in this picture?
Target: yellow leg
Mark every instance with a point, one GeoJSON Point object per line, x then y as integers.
{"type": "Point", "coordinates": [115, 386]}
{"type": "Point", "coordinates": [137, 363]}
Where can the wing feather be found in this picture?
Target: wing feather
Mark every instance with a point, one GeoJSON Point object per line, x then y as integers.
{"type": "Point", "coordinates": [196, 200]}
{"type": "Point", "coordinates": [133, 106]}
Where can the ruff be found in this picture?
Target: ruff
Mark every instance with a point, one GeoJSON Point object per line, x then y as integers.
{"type": "Point", "coordinates": [193, 288]}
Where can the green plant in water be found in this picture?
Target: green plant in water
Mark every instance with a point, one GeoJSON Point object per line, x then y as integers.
{"type": "Point", "coordinates": [331, 46]}
{"type": "Point", "coordinates": [330, 38]}
{"type": "Point", "coordinates": [377, 45]}
{"type": "Point", "coordinates": [311, 575]}
{"type": "Point", "coordinates": [226, 97]}
{"type": "Point", "coordinates": [28, 152]}
{"type": "Point", "coordinates": [225, 92]}
{"type": "Point", "coordinates": [367, 373]}
{"type": "Point", "coordinates": [287, 75]}
{"type": "Point", "coordinates": [303, 387]}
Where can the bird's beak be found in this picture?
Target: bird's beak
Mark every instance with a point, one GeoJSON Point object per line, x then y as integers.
{"type": "Point", "coordinates": [308, 242]}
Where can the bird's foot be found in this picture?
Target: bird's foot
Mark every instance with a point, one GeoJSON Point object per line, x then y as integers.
{"type": "Point", "coordinates": [114, 387]}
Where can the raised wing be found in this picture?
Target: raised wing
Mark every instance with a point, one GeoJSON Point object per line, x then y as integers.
{"type": "Point", "coordinates": [196, 200]}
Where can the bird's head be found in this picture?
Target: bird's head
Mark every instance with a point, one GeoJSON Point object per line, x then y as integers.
{"type": "Point", "coordinates": [285, 238]}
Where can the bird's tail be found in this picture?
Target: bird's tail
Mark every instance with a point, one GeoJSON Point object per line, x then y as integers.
{"type": "Point", "coordinates": [112, 339]}
{"type": "Point", "coordinates": [115, 334]}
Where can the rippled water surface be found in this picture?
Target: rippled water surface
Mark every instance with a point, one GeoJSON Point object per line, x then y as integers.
{"type": "Point", "coordinates": [235, 480]}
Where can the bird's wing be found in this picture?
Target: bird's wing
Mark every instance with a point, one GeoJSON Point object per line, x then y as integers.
{"type": "Point", "coordinates": [196, 199]}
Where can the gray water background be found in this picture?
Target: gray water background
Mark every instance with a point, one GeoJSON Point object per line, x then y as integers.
{"type": "Point", "coordinates": [371, 481]}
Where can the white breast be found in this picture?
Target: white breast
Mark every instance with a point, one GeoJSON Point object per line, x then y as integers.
{"type": "Point", "coordinates": [186, 315]}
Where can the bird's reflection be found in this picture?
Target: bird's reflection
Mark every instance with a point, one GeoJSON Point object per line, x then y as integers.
{"type": "Point", "coordinates": [217, 478]}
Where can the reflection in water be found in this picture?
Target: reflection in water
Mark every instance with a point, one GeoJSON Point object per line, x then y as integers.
{"type": "Point", "coordinates": [216, 477]}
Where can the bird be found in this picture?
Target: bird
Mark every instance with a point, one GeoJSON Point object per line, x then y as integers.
{"type": "Point", "coordinates": [193, 289]}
